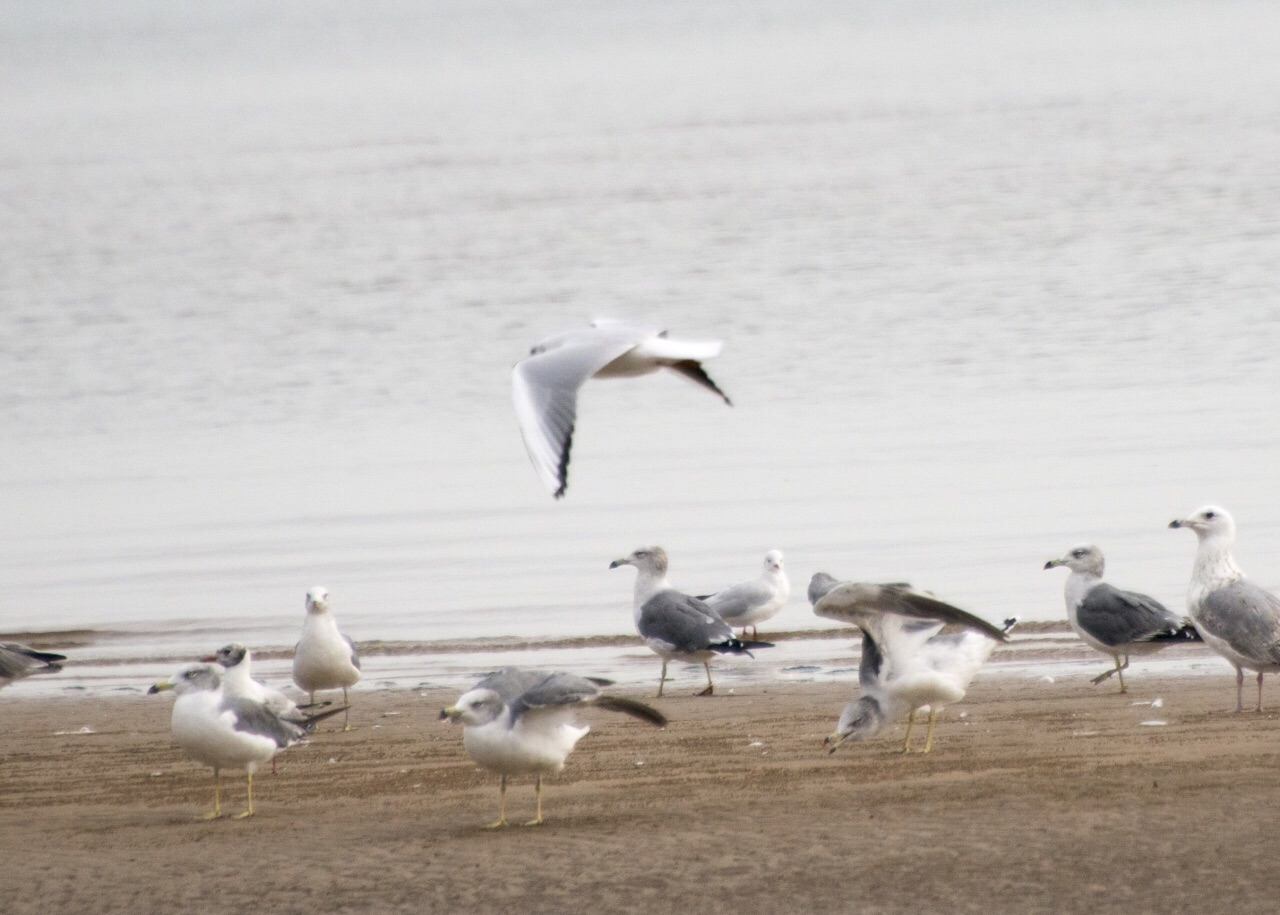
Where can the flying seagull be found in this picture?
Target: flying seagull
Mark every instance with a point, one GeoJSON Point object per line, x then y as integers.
{"type": "Point", "coordinates": [674, 625]}
{"type": "Point", "coordinates": [225, 732]}
{"type": "Point", "coordinates": [907, 662]}
{"type": "Point", "coordinates": [324, 658]}
{"type": "Point", "coordinates": [544, 384]}
{"type": "Point", "coordinates": [519, 722]}
{"type": "Point", "coordinates": [749, 603]}
{"type": "Point", "coordinates": [18, 661]}
{"type": "Point", "coordinates": [1116, 623]}
{"type": "Point", "coordinates": [1234, 617]}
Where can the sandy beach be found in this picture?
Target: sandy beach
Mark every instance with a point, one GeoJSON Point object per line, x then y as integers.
{"type": "Point", "coordinates": [1037, 796]}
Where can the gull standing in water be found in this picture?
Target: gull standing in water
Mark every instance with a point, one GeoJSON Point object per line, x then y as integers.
{"type": "Point", "coordinates": [18, 661]}
{"type": "Point", "coordinates": [324, 658]}
{"type": "Point", "coordinates": [906, 663]}
{"type": "Point", "coordinates": [544, 385]}
{"type": "Point", "coordinates": [225, 732]}
{"type": "Point", "coordinates": [1116, 623]}
{"type": "Point", "coordinates": [1235, 617]}
{"type": "Point", "coordinates": [751, 602]}
{"type": "Point", "coordinates": [522, 723]}
{"type": "Point", "coordinates": [675, 625]}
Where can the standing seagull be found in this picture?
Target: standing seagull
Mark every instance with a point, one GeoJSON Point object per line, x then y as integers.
{"type": "Point", "coordinates": [18, 661]}
{"type": "Point", "coordinates": [324, 658]}
{"type": "Point", "coordinates": [225, 732]}
{"type": "Point", "coordinates": [751, 602]}
{"type": "Point", "coordinates": [1116, 623]}
{"type": "Point", "coordinates": [1235, 617]}
{"type": "Point", "coordinates": [906, 663]}
{"type": "Point", "coordinates": [675, 625]}
{"type": "Point", "coordinates": [522, 723]}
{"type": "Point", "coordinates": [544, 385]}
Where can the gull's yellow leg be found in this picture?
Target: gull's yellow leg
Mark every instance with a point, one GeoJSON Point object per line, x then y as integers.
{"type": "Point", "coordinates": [346, 716]}
{"type": "Point", "coordinates": [711, 688]}
{"type": "Point", "coordinates": [502, 805]}
{"type": "Point", "coordinates": [662, 677]}
{"type": "Point", "coordinates": [928, 740]}
{"type": "Point", "coordinates": [537, 791]}
{"type": "Point", "coordinates": [217, 798]}
{"type": "Point", "coordinates": [911, 720]}
{"type": "Point", "coordinates": [249, 811]}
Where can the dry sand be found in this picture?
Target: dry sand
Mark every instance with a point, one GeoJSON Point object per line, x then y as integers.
{"type": "Point", "coordinates": [1044, 797]}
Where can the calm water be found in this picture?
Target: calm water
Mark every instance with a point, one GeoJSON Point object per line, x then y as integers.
{"type": "Point", "coordinates": [994, 278]}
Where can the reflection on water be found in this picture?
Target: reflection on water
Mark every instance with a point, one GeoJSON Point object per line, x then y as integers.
{"type": "Point", "coordinates": [994, 278]}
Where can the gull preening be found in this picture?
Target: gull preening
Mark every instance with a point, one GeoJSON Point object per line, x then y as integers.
{"type": "Point", "coordinates": [544, 385]}
{"type": "Point", "coordinates": [675, 625]}
{"type": "Point", "coordinates": [749, 603]}
{"type": "Point", "coordinates": [324, 658]}
{"type": "Point", "coordinates": [1114, 622]}
{"type": "Point", "coordinates": [907, 662]}
{"type": "Point", "coordinates": [1234, 617]}
{"type": "Point", "coordinates": [517, 722]}
{"type": "Point", "coordinates": [18, 661]}
{"type": "Point", "coordinates": [224, 731]}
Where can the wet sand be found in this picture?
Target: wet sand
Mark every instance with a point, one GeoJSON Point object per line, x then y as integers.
{"type": "Point", "coordinates": [1043, 797]}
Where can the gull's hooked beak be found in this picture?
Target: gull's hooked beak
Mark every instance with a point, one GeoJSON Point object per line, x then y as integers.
{"type": "Point", "coordinates": [624, 561]}
{"type": "Point", "coordinates": [160, 687]}
{"type": "Point", "coordinates": [211, 659]}
{"type": "Point", "coordinates": [833, 741]}
{"type": "Point", "coordinates": [1054, 563]}
{"type": "Point", "coordinates": [452, 713]}
{"type": "Point", "coordinates": [1178, 522]}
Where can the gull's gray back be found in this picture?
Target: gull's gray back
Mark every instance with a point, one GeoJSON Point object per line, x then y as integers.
{"type": "Point", "coordinates": [681, 621]}
{"type": "Point", "coordinates": [255, 718]}
{"type": "Point", "coordinates": [1244, 616]}
{"type": "Point", "coordinates": [1116, 617]}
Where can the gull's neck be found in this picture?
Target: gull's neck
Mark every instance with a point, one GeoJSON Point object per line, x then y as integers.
{"type": "Point", "coordinates": [237, 678]}
{"type": "Point", "coordinates": [648, 583]}
{"type": "Point", "coordinates": [1078, 586]}
{"type": "Point", "coordinates": [1214, 568]}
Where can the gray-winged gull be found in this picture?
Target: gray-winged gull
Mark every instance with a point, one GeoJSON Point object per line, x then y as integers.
{"type": "Point", "coordinates": [1114, 622]}
{"type": "Point", "coordinates": [522, 723]}
{"type": "Point", "coordinates": [749, 603]}
{"type": "Point", "coordinates": [675, 625]}
{"type": "Point", "coordinates": [544, 385]}
{"type": "Point", "coordinates": [225, 732]}
{"type": "Point", "coordinates": [18, 661]}
{"type": "Point", "coordinates": [324, 658]}
{"type": "Point", "coordinates": [1234, 617]}
{"type": "Point", "coordinates": [907, 663]}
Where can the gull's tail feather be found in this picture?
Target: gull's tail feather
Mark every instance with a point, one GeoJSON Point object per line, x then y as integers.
{"type": "Point", "coordinates": [309, 723]}
{"type": "Point", "coordinates": [1187, 633]}
{"type": "Point", "coordinates": [322, 704]}
{"type": "Point", "coordinates": [739, 646]}
{"type": "Point", "coordinates": [633, 708]}
{"type": "Point", "coordinates": [1009, 624]}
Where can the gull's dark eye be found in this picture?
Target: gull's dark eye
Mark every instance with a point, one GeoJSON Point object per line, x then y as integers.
{"type": "Point", "coordinates": [1208, 516]}
{"type": "Point", "coordinates": [1077, 553]}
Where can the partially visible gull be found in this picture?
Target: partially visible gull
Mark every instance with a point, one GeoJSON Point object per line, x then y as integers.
{"type": "Point", "coordinates": [1116, 623]}
{"type": "Point", "coordinates": [324, 658]}
{"type": "Point", "coordinates": [18, 661]}
{"type": "Point", "coordinates": [238, 681]}
{"type": "Point", "coordinates": [749, 603]}
{"type": "Point", "coordinates": [544, 385]}
{"type": "Point", "coordinates": [222, 731]}
{"type": "Point", "coordinates": [522, 723]}
{"type": "Point", "coordinates": [906, 663]}
{"type": "Point", "coordinates": [1235, 617]}
{"type": "Point", "coordinates": [675, 625]}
